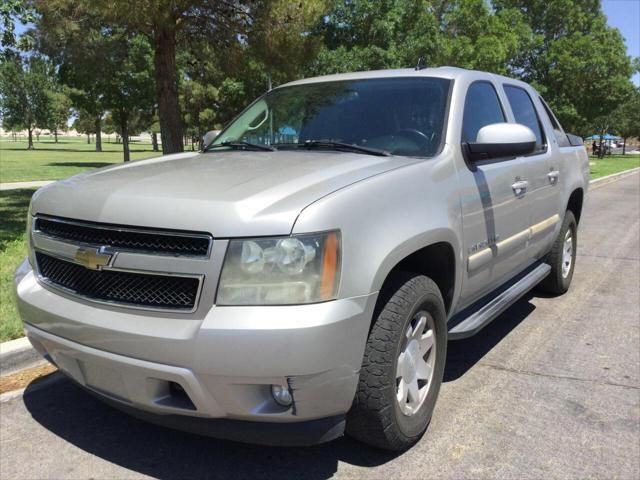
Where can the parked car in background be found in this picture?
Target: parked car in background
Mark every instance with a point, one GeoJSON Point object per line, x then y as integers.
{"type": "Point", "coordinates": [302, 275]}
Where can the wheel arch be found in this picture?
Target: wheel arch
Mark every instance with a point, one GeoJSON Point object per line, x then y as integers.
{"type": "Point", "coordinates": [576, 200]}
{"type": "Point", "coordinates": [436, 260]}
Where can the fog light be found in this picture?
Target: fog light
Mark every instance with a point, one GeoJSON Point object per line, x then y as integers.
{"type": "Point", "coordinates": [281, 395]}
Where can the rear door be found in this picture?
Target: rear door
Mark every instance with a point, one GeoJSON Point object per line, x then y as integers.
{"type": "Point", "coordinates": [541, 171]}
{"type": "Point", "coordinates": [494, 214]}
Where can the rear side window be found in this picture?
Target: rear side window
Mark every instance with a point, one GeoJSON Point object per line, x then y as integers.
{"type": "Point", "coordinates": [525, 113]}
{"type": "Point", "coordinates": [481, 107]}
{"type": "Point", "coordinates": [561, 137]}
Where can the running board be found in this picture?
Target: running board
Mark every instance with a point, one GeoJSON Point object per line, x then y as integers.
{"type": "Point", "coordinates": [490, 310]}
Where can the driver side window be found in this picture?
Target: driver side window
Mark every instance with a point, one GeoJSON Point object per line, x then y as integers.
{"type": "Point", "coordinates": [481, 107]}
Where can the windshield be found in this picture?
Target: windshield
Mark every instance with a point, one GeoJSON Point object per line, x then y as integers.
{"type": "Point", "coordinates": [403, 116]}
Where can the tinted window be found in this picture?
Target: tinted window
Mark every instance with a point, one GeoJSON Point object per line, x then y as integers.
{"type": "Point", "coordinates": [525, 113]}
{"type": "Point", "coordinates": [402, 115]}
{"type": "Point", "coordinates": [562, 139]}
{"type": "Point", "coordinates": [481, 107]}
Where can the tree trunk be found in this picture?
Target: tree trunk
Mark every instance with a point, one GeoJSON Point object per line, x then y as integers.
{"type": "Point", "coordinates": [30, 145]}
{"type": "Point", "coordinates": [167, 86]}
{"type": "Point", "coordinates": [124, 126]}
{"type": "Point", "coordinates": [154, 141]}
{"type": "Point", "coordinates": [98, 126]}
{"type": "Point", "coordinates": [88, 138]}
{"type": "Point", "coordinates": [624, 145]}
{"type": "Point", "coordinates": [55, 134]}
{"type": "Point", "coordinates": [601, 147]}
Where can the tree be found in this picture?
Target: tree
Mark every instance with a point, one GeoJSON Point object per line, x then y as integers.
{"type": "Point", "coordinates": [372, 34]}
{"type": "Point", "coordinates": [24, 103]}
{"type": "Point", "coordinates": [84, 123]}
{"type": "Point", "coordinates": [130, 88]}
{"type": "Point", "coordinates": [280, 37]}
{"type": "Point", "coordinates": [572, 57]}
{"type": "Point", "coordinates": [165, 22]}
{"type": "Point", "coordinates": [626, 119]}
{"type": "Point", "coordinates": [79, 48]}
{"type": "Point", "coordinates": [109, 68]}
{"type": "Point", "coordinates": [474, 37]}
{"type": "Point", "coordinates": [59, 111]}
{"type": "Point", "coordinates": [109, 127]}
{"type": "Point", "coordinates": [10, 12]}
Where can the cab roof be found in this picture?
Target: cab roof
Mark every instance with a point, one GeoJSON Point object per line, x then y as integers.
{"type": "Point", "coordinates": [451, 73]}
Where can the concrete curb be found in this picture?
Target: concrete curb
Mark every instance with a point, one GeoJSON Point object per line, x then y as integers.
{"type": "Point", "coordinates": [34, 387]}
{"type": "Point", "coordinates": [18, 354]}
{"type": "Point", "coordinates": [614, 176]}
{"type": "Point", "coordinates": [19, 185]}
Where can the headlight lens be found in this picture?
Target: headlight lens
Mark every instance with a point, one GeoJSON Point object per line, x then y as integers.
{"type": "Point", "coordinates": [281, 271]}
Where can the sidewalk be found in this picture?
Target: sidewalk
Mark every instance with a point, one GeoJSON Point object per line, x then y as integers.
{"type": "Point", "coordinates": [18, 185]}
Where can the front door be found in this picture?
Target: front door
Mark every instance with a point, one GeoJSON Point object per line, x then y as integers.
{"type": "Point", "coordinates": [494, 214]}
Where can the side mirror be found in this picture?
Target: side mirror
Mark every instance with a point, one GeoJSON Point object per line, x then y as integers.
{"type": "Point", "coordinates": [209, 136]}
{"type": "Point", "coordinates": [500, 140]}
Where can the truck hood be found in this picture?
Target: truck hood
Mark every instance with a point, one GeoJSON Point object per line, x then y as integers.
{"type": "Point", "coordinates": [227, 194]}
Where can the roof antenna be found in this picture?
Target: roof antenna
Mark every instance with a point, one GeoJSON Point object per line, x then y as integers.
{"type": "Point", "coordinates": [421, 64]}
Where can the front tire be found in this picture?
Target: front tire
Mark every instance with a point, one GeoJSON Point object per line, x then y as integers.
{"type": "Point", "coordinates": [562, 258]}
{"type": "Point", "coordinates": [403, 365]}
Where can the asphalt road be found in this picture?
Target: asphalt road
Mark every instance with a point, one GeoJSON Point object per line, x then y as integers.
{"type": "Point", "coordinates": [551, 389]}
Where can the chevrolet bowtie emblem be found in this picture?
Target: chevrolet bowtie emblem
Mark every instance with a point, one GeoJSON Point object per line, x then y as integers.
{"type": "Point", "coordinates": [93, 258]}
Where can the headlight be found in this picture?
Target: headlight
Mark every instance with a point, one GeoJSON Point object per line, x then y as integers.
{"type": "Point", "coordinates": [281, 271]}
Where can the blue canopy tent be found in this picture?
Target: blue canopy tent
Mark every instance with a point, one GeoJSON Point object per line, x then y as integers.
{"type": "Point", "coordinates": [606, 136]}
{"type": "Point", "coordinates": [605, 143]}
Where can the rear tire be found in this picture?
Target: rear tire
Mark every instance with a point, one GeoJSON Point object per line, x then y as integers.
{"type": "Point", "coordinates": [562, 257]}
{"type": "Point", "coordinates": [403, 365]}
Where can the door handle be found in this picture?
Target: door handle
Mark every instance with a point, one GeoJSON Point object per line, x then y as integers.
{"type": "Point", "coordinates": [520, 187]}
{"type": "Point", "coordinates": [553, 176]}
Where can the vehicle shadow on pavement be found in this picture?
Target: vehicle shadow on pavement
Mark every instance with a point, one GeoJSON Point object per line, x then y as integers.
{"type": "Point", "coordinates": [462, 355]}
{"type": "Point", "coordinates": [75, 416]}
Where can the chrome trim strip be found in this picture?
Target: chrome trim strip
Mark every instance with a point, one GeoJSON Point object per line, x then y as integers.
{"type": "Point", "coordinates": [545, 225]}
{"type": "Point", "coordinates": [46, 282]}
{"type": "Point", "coordinates": [513, 242]}
{"type": "Point", "coordinates": [478, 259]}
{"type": "Point", "coordinates": [485, 255]}
{"type": "Point", "coordinates": [113, 228]}
{"type": "Point", "coordinates": [62, 248]}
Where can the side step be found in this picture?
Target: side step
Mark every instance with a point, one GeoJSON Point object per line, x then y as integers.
{"type": "Point", "coordinates": [478, 319]}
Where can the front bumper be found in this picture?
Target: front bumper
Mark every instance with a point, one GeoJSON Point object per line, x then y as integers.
{"type": "Point", "coordinates": [180, 370]}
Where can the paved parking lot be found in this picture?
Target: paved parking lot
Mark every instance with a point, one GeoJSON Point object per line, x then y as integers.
{"type": "Point", "coordinates": [551, 389]}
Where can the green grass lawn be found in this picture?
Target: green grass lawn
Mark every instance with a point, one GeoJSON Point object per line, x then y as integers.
{"type": "Point", "coordinates": [53, 161]}
{"type": "Point", "coordinates": [13, 219]}
{"type": "Point", "coordinates": [612, 164]}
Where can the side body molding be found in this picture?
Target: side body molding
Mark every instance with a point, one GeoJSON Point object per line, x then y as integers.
{"type": "Point", "coordinates": [484, 256]}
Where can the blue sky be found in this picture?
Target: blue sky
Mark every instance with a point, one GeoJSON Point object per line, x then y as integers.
{"type": "Point", "coordinates": [625, 16]}
{"type": "Point", "coordinates": [622, 14]}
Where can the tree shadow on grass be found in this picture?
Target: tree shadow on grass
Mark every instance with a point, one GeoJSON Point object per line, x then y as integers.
{"type": "Point", "coordinates": [73, 150]}
{"type": "Point", "coordinates": [14, 205]}
{"type": "Point", "coordinates": [80, 164]}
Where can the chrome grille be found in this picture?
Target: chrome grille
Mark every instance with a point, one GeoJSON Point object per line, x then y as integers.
{"type": "Point", "coordinates": [122, 287]}
{"type": "Point", "coordinates": [125, 238]}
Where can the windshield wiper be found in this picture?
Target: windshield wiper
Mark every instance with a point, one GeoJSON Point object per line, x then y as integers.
{"type": "Point", "coordinates": [242, 145]}
{"type": "Point", "coordinates": [344, 146]}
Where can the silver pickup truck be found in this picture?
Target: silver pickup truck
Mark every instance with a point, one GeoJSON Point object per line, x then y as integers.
{"type": "Point", "coordinates": [301, 275]}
